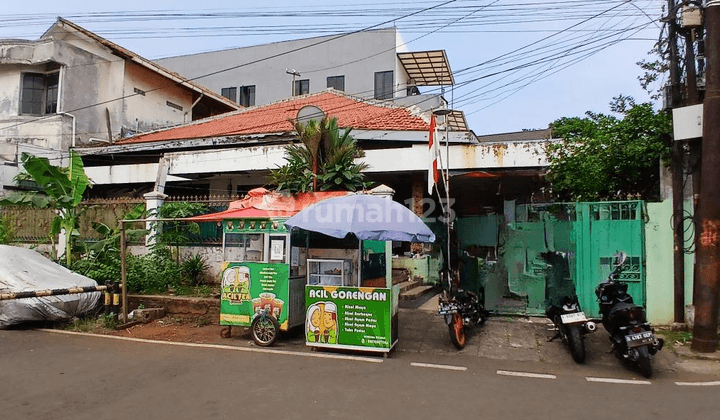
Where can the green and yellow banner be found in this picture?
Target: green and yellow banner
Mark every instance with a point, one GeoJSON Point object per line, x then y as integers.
{"type": "Point", "coordinates": [348, 317]}
{"type": "Point", "coordinates": [249, 287]}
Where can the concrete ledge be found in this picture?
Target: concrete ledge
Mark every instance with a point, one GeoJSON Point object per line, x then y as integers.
{"type": "Point", "coordinates": [180, 306]}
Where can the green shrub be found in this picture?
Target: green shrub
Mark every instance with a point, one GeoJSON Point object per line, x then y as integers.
{"type": "Point", "coordinates": [6, 229]}
{"type": "Point", "coordinates": [155, 272]}
{"type": "Point", "coordinates": [194, 268]}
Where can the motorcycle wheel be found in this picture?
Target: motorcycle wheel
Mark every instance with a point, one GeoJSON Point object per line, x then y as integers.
{"type": "Point", "coordinates": [457, 332]}
{"type": "Point", "coordinates": [644, 362]}
{"type": "Point", "coordinates": [577, 346]}
{"type": "Point", "coordinates": [264, 330]}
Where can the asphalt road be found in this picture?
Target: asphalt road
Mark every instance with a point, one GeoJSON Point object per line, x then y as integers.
{"type": "Point", "coordinates": [57, 376]}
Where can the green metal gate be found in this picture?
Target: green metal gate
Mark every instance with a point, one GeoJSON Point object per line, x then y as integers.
{"type": "Point", "coordinates": [604, 229]}
{"type": "Point", "coordinates": [581, 237]}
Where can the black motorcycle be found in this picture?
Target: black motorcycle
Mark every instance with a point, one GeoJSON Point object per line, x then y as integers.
{"type": "Point", "coordinates": [461, 309]}
{"type": "Point", "coordinates": [632, 338]}
{"type": "Point", "coordinates": [572, 325]}
{"type": "Point", "coordinates": [563, 308]}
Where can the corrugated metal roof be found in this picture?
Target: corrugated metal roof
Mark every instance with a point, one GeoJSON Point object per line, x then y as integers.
{"type": "Point", "coordinates": [427, 68]}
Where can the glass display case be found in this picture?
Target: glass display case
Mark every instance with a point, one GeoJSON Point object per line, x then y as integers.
{"type": "Point", "coordinates": [329, 272]}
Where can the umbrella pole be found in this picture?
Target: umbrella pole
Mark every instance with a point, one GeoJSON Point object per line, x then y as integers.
{"type": "Point", "coordinates": [360, 258]}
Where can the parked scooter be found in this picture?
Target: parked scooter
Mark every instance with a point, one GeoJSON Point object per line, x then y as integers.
{"type": "Point", "coordinates": [563, 307]}
{"type": "Point", "coordinates": [572, 326]}
{"type": "Point", "coordinates": [462, 309]}
{"type": "Point", "coordinates": [631, 336]}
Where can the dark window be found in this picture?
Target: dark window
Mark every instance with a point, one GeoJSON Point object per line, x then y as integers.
{"type": "Point", "coordinates": [51, 92]}
{"type": "Point", "coordinates": [247, 95]}
{"type": "Point", "coordinates": [173, 105]}
{"type": "Point", "coordinates": [384, 85]}
{"type": "Point", "coordinates": [139, 91]}
{"type": "Point", "coordinates": [230, 93]}
{"type": "Point", "coordinates": [413, 90]}
{"type": "Point", "coordinates": [302, 87]}
{"type": "Point", "coordinates": [336, 82]}
{"type": "Point", "coordinates": [39, 93]}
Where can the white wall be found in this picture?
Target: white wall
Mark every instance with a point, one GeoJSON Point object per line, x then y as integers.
{"type": "Point", "coordinates": [150, 111]}
{"type": "Point", "coordinates": [315, 63]}
{"type": "Point", "coordinates": [526, 154]}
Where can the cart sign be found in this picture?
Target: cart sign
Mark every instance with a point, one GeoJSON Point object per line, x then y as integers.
{"type": "Point", "coordinates": [250, 287]}
{"type": "Point", "coordinates": [348, 317]}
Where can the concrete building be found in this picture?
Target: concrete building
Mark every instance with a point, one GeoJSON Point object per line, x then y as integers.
{"type": "Point", "coordinates": [72, 88]}
{"type": "Point", "coordinates": [373, 64]}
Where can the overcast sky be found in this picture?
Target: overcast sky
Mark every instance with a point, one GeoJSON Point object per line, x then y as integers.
{"type": "Point", "coordinates": [518, 64]}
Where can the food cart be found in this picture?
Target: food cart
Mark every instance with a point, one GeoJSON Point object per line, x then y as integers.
{"type": "Point", "coordinates": [263, 275]}
{"type": "Point", "coordinates": [350, 299]}
{"type": "Point", "coordinates": [336, 282]}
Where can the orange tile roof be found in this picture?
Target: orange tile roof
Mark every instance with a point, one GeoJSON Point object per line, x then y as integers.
{"type": "Point", "coordinates": [276, 118]}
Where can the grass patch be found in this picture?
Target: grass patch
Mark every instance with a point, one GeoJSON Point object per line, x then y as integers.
{"type": "Point", "coordinates": [683, 338]}
{"type": "Point", "coordinates": [86, 324]}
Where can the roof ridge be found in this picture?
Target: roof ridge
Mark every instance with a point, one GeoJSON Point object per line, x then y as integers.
{"type": "Point", "coordinates": [144, 61]}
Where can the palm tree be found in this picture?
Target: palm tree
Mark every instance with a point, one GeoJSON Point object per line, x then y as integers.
{"type": "Point", "coordinates": [324, 161]}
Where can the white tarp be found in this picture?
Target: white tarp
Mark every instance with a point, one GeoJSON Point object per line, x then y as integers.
{"type": "Point", "coordinates": [24, 270]}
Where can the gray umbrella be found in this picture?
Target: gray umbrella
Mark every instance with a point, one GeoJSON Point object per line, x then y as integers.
{"type": "Point", "coordinates": [368, 217]}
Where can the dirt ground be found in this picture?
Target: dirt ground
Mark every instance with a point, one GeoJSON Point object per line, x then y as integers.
{"type": "Point", "coordinates": [180, 330]}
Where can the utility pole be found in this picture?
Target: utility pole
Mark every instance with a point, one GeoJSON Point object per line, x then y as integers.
{"type": "Point", "coordinates": [705, 331]}
{"type": "Point", "coordinates": [676, 161]}
{"type": "Point", "coordinates": [294, 73]}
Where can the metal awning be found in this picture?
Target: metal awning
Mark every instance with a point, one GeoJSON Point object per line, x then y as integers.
{"type": "Point", "coordinates": [456, 121]}
{"type": "Point", "coordinates": [427, 68]}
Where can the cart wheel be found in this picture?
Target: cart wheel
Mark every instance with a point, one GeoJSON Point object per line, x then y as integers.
{"type": "Point", "coordinates": [226, 332]}
{"type": "Point", "coordinates": [265, 330]}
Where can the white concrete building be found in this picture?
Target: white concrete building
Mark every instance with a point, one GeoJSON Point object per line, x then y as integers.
{"type": "Point", "coordinates": [73, 88]}
{"type": "Point", "coordinates": [373, 64]}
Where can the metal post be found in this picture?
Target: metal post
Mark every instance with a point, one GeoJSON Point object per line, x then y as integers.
{"type": "Point", "coordinates": [676, 160]}
{"type": "Point", "coordinates": [123, 271]}
{"type": "Point", "coordinates": [447, 191]}
{"type": "Point", "coordinates": [705, 332]}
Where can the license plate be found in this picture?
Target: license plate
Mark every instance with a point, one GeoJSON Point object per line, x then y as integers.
{"type": "Point", "coordinates": [639, 339]}
{"type": "Point", "coordinates": [573, 317]}
{"type": "Point", "coordinates": [447, 309]}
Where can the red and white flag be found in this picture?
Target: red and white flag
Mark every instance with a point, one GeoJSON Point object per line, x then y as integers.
{"type": "Point", "coordinates": [433, 149]}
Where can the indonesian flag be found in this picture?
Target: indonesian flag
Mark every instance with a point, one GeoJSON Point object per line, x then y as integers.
{"type": "Point", "coordinates": [433, 167]}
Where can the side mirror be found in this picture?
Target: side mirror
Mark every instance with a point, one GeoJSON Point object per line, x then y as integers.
{"type": "Point", "coordinates": [619, 259]}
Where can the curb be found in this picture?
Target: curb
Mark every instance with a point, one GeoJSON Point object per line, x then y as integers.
{"type": "Point", "coordinates": [687, 353]}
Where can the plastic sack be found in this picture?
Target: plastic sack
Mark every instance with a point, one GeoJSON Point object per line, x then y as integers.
{"type": "Point", "coordinates": [23, 270]}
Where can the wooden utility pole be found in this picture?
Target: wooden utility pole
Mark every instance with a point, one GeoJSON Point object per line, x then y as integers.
{"type": "Point", "coordinates": [705, 331]}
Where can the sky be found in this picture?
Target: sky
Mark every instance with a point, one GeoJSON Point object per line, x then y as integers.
{"type": "Point", "coordinates": [517, 64]}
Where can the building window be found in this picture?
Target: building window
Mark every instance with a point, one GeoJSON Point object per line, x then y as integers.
{"type": "Point", "coordinates": [247, 95]}
{"type": "Point", "coordinates": [39, 93]}
{"type": "Point", "coordinates": [336, 82]}
{"type": "Point", "coordinates": [384, 85]}
{"type": "Point", "coordinates": [173, 105]}
{"type": "Point", "coordinates": [139, 91]}
{"type": "Point", "coordinates": [230, 93]}
{"type": "Point", "coordinates": [301, 87]}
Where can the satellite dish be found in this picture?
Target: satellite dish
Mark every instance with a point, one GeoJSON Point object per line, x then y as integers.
{"type": "Point", "coordinates": [309, 112]}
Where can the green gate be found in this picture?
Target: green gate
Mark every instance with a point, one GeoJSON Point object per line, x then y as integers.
{"type": "Point", "coordinates": [604, 229]}
{"type": "Point", "coordinates": [570, 244]}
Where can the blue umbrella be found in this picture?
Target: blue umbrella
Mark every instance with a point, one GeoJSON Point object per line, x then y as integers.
{"type": "Point", "coordinates": [368, 217]}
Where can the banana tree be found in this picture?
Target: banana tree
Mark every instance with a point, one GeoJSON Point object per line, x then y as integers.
{"type": "Point", "coordinates": [61, 189]}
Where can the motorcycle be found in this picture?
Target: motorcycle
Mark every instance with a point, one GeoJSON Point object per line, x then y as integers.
{"type": "Point", "coordinates": [631, 336]}
{"type": "Point", "coordinates": [572, 325]}
{"type": "Point", "coordinates": [462, 309]}
{"type": "Point", "coordinates": [563, 307]}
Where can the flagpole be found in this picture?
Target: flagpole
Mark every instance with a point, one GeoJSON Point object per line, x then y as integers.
{"type": "Point", "coordinates": [446, 180]}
